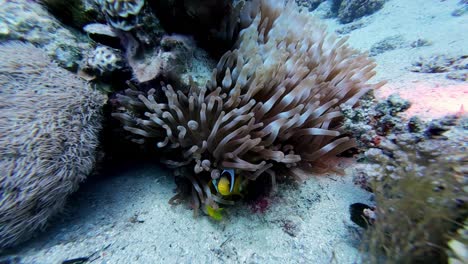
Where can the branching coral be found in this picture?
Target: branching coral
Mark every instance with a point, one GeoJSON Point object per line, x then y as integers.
{"type": "Point", "coordinates": [272, 104]}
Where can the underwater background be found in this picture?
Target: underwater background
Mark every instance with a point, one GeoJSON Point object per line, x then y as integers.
{"type": "Point", "coordinates": [84, 85]}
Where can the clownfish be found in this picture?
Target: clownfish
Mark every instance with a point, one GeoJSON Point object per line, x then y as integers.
{"type": "Point", "coordinates": [214, 213]}
{"type": "Point", "coordinates": [228, 184]}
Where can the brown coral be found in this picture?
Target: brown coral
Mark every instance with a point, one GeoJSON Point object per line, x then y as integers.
{"type": "Point", "coordinates": [271, 105]}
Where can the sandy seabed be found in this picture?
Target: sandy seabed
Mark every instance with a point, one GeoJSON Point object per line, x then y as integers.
{"type": "Point", "coordinates": [125, 217]}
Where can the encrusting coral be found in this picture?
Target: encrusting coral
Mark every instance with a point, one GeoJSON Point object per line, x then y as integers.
{"type": "Point", "coordinates": [271, 106]}
{"type": "Point", "coordinates": [29, 21]}
{"type": "Point", "coordinates": [350, 10]}
{"type": "Point", "coordinates": [103, 60]}
{"type": "Point", "coordinates": [49, 126]}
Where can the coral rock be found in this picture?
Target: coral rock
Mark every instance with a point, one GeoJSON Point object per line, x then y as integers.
{"type": "Point", "coordinates": [121, 14]}
{"type": "Point", "coordinates": [104, 60]}
{"type": "Point", "coordinates": [29, 21]}
{"type": "Point", "coordinates": [351, 10]}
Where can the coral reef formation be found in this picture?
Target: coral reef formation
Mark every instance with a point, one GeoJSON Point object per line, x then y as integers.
{"type": "Point", "coordinates": [49, 126]}
{"type": "Point", "coordinates": [121, 14]}
{"type": "Point", "coordinates": [271, 105]}
{"type": "Point", "coordinates": [421, 200]}
{"type": "Point", "coordinates": [155, 53]}
{"type": "Point", "coordinates": [350, 10]}
{"type": "Point", "coordinates": [392, 43]}
{"type": "Point", "coordinates": [417, 172]}
{"type": "Point", "coordinates": [372, 120]}
{"type": "Point", "coordinates": [455, 66]}
{"type": "Point", "coordinates": [311, 5]}
{"type": "Point", "coordinates": [29, 21]}
{"type": "Point", "coordinates": [387, 44]}
{"type": "Point", "coordinates": [149, 51]}
{"type": "Point", "coordinates": [346, 11]}
{"type": "Point", "coordinates": [102, 60]}
{"type": "Point", "coordinates": [75, 13]}
{"type": "Point", "coordinates": [169, 60]}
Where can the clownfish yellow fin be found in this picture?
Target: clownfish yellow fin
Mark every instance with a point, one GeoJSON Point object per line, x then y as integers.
{"type": "Point", "coordinates": [214, 213]}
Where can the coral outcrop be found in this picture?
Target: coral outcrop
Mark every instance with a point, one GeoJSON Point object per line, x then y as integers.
{"type": "Point", "coordinates": [350, 10]}
{"type": "Point", "coordinates": [74, 13]}
{"type": "Point", "coordinates": [373, 119]}
{"type": "Point", "coordinates": [420, 194]}
{"type": "Point", "coordinates": [49, 126]}
{"type": "Point", "coordinates": [311, 5]}
{"type": "Point", "coordinates": [103, 60]}
{"type": "Point", "coordinates": [456, 66]}
{"type": "Point", "coordinates": [272, 105]}
{"type": "Point", "coordinates": [347, 11]}
{"type": "Point", "coordinates": [417, 171]}
{"type": "Point", "coordinates": [121, 14]}
{"type": "Point", "coordinates": [29, 21]}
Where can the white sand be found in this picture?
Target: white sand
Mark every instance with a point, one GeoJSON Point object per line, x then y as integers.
{"type": "Point", "coordinates": [99, 217]}
{"type": "Point", "coordinates": [432, 94]}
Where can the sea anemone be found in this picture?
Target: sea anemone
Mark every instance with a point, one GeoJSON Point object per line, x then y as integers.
{"type": "Point", "coordinates": [272, 104]}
